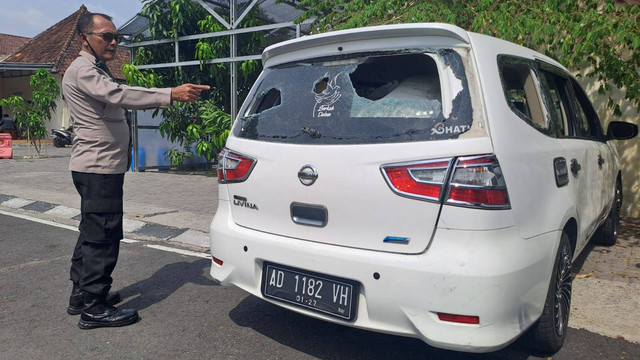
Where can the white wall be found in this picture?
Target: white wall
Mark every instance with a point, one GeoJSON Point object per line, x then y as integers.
{"type": "Point", "coordinates": [20, 86]}
{"type": "Point", "coordinates": [14, 86]}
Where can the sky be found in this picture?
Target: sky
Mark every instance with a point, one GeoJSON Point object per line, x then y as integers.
{"type": "Point", "coordinates": [31, 17]}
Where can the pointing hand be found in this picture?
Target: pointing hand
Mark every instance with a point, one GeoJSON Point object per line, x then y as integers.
{"type": "Point", "coordinates": [187, 92]}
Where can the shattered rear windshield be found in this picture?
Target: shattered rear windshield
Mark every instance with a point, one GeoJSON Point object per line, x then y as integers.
{"type": "Point", "coordinates": [380, 98]}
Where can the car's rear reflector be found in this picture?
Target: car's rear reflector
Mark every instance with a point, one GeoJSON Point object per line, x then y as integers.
{"type": "Point", "coordinates": [462, 319]}
{"type": "Point", "coordinates": [216, 260]}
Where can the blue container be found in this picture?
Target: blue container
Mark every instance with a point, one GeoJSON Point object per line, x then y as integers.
{"type": "Point", "coordinates": [142, 159]}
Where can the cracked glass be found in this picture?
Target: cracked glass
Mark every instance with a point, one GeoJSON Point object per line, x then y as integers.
{"type": "Point", "coordinates": [373, 98]}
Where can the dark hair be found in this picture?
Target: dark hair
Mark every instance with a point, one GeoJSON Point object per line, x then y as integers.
{"type": "Point", "coordinates": [85, 23]}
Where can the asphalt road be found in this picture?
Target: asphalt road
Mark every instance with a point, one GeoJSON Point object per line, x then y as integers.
{"type": "Point", "coordinates": [185, 314]}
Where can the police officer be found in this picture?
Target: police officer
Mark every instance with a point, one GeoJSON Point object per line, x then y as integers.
{"type": "Point", "coordinates": [99, 159]}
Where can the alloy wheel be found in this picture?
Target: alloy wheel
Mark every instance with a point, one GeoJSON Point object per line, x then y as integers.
{"type": "Point", "coordinates": [563, 290]}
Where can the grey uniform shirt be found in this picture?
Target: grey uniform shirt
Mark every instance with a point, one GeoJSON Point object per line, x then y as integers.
{"type": "Point", "coordinates": [96, 104]}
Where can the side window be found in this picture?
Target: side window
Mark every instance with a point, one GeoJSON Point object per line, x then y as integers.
{"type": "Point", "coordinates": [557, 96]}
{"type": "Point", "coordinates": [569, 105]}
{"type": "Point", "coordinates": [588, 124]}
{"type": "Point", "coordinates": [522, 91]}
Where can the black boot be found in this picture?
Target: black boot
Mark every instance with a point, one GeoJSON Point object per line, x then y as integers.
{"type": "Point", "coordinates": [76, 301]}
{"type": "Point", "coordinates": [97, 313]}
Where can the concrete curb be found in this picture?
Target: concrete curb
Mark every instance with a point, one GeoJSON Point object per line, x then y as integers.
{"type": "Point", "coordinates": [134, 229]}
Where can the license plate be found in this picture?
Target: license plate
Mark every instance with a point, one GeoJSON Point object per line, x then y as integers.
{"type": "Point", "coordinates": [326, 294]}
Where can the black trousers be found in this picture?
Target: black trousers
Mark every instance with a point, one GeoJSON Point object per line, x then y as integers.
{"type": "Point", "coordinates": [96, 252]}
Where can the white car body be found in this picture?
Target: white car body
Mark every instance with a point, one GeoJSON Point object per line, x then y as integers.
{"type": "Point", "coordinates": [417, 262]}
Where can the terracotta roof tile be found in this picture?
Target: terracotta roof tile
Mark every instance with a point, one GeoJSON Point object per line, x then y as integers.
{"type": "Point", "coordinates": [10, 43]}
{"type": "Point", "coordinates": [59, 45]}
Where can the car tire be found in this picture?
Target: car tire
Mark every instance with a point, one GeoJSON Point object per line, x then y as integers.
{"type": "Point", "coordinates": [57, 142]}
{"type": "Point", "coordinates": [607, 235]}
{"type": "Point", "coordinates": [547, 335]}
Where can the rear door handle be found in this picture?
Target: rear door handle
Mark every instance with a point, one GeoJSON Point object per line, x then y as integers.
{"type": "Point", "coordinates": [575, 167]}
{"type": "Point", "coordinates": [600, 160]}
{"type": "Point", "coordinates": [309, 214]}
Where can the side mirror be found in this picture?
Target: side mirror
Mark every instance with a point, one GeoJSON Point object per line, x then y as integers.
{"type": "Point", "coordinates": [620, 130]}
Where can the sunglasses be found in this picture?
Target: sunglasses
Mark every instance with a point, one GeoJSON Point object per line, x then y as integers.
{"type": "Point", "coordinates": [108, 37]}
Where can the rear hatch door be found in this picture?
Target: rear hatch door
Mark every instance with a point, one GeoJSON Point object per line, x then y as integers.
{"type": "Point", "coordinates": [321, 130]}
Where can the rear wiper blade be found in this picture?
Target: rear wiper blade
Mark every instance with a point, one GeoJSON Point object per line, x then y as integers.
{"type": "Point", "coordinates": [312, 132]}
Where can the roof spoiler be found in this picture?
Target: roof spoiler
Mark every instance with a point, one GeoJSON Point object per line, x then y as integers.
{"type": "Point", "coordinates": [367, 33]}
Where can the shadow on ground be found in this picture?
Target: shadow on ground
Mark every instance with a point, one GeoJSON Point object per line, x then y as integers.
{"type": "Point", "coordinates": [165, 282]}
{"type": "Point", "coordinates": [325, 340]}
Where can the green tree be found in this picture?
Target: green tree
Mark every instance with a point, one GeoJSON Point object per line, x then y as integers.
{"type": "Point", "coordinates": [206, 123]}
{"type": "Point", "coordinates": [31, 114]}
{"type": "Point", "coordinates": [600, 35]}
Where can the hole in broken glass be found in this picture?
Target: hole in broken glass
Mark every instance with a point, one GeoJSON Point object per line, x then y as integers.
{"type": "Point", "coordinates": [267, 100]}
{"type": "Point", "coordinates": [321, 86]}
{"type": "Point", "coordinates": [405, 86]}
{"type": "Point", "coordinates": [264, 101]}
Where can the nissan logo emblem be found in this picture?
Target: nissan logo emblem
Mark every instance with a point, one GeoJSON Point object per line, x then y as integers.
{"type": "Point", "coordinates": [308, 175]}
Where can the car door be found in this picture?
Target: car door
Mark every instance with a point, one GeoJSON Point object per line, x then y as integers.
{"type": "Point", "coordinates": [581, 152]}
{"type": "Point", "coordinates": [605, 168]}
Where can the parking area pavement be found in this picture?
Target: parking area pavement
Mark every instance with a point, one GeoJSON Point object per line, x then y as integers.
{"type": "Point", "coordinates": [616, 263]}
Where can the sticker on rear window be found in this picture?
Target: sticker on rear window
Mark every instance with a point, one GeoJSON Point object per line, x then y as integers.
{"type": "Point", "coordinates": [327, 93]}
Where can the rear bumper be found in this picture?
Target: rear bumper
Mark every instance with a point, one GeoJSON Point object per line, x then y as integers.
{"type": "Point", "coordinates": [495, 275]}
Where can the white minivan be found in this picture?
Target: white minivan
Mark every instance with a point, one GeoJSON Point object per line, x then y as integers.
{"type": "Point", "coordinates": [417, 180]}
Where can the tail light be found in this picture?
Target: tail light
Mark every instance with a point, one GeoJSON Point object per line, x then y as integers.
{"type": "Point", "coordinates": [478, 182]}
{"type": "Point", "coordinates": [474, 181]}
{"type": "Point", "coordinates": [234, 167]}
{"type": "Point", "coordinates": [424, 180]}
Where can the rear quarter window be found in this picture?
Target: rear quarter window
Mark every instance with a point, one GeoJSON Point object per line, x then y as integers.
{"type": "Point", "coordinates": [522, 91]}
{"type": "Point", "coordinates": [373, 98]}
